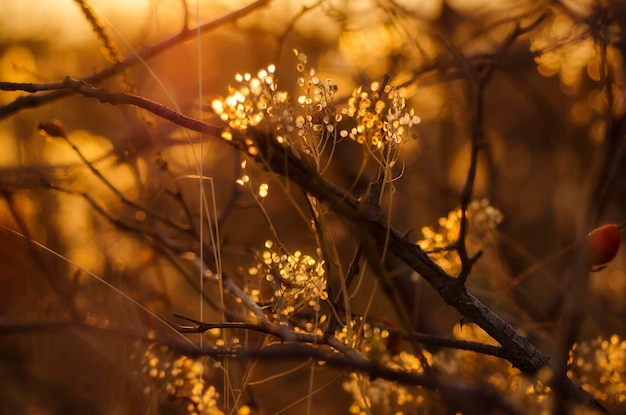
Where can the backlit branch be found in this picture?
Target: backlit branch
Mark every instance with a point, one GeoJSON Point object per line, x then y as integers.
{"type": "Point", "coordinates": [143, 54]}
{"type": "Point", "coordinates": [264, 148]}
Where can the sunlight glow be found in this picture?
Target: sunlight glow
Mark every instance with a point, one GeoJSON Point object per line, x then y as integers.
{"type": "Point", "coordinates": [68, 25]}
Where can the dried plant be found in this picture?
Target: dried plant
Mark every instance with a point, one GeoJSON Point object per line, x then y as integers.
{"type": "Point", "coordinates": [165, 255]}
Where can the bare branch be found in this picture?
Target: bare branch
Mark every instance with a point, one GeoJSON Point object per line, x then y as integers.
{"type": "Point", "coordinates": [143, 54]}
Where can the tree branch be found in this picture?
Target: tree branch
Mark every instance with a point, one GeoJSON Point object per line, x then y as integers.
{"type": "Point", "coordinates": [518, 350]}
{"type": "Point", "coordinates": [143, 54]}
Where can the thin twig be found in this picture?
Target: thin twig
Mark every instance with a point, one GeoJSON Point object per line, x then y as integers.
{"type": "Point", "coordinates": [143, 54]}
{"type": "Point", "coordinates": [158, 239]}
{"type": "Point", "coordinates": [479, 82]}
{"type": "Point", "coordinates": [119, 194]}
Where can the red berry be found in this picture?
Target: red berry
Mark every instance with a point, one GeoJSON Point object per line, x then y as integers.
{"type": "Point", "coordinates": [603, 244]}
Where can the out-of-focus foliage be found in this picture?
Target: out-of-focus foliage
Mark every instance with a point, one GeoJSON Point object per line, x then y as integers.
{"type": "Point", "coordinates": [599, 366]}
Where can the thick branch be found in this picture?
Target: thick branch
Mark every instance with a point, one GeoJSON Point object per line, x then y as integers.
{"type": "Point", "coordinates": [484, 397]}
{"type": "Point", "coordinates": [515, 348]}
{"type": "Point", "coordinates": [281, 160]}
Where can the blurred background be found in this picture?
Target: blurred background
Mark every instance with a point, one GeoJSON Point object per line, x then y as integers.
{"type": "Point", "coordinates": [546, 122]}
